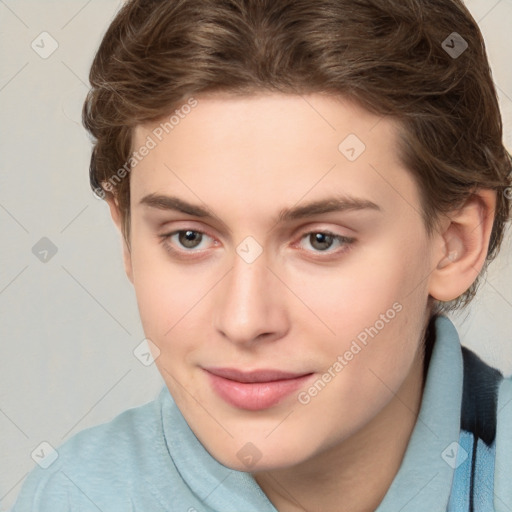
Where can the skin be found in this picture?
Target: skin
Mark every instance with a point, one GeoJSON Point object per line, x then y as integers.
{"type": "Point", "coordinates": [299, 304]}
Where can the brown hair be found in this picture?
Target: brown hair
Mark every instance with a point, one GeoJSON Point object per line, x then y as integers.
{"type": "Point", "coordinates": [390, 56]}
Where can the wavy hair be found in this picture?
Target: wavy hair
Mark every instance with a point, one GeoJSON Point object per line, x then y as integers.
{"type": "Point", "coordinates": [389, 56]}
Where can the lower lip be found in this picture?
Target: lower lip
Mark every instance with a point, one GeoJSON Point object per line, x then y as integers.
{"type": "Point", "coordinates": [255, 396]}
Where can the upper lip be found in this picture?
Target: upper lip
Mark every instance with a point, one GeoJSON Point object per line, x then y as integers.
{"type": "Point", "coordinates": [263, 375]}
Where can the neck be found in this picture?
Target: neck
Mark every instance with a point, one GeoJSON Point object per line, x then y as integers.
{"type": "Point", "coordinates": [356, 474]}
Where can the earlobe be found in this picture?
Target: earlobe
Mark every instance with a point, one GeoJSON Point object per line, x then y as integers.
{"type": "Point", "coordinates": [462, 248]}
{"type": "Point", "coordinates": [116, 215]}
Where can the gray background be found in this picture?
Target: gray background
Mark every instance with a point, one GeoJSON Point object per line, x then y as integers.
{"type": "Point", "coordinates": [69, 325]}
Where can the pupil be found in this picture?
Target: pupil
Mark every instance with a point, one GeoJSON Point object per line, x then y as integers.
{"type": "Point", "coordinates": [190, 238]}
{"type": "Point", "coordinates": [323, 239]}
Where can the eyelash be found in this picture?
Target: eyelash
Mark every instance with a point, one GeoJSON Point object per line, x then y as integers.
{"type": "Point", "coordinates": [344, 241]}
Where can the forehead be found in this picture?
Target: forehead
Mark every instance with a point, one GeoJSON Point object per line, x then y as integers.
{"type": "Point", "coordinates": [270, 148]}
{"type": "Point", "coordinates": [264, 113]}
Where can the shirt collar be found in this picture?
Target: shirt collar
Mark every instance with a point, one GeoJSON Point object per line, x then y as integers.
{"type": "Point", "coordinates": [424, 480]}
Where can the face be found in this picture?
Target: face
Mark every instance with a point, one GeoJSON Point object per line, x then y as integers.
{"type": "Point", "coordinates": [280, 265]}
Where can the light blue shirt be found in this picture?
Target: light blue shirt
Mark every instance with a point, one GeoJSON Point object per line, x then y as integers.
{"type": "Point", "coordinates": [147, 459]}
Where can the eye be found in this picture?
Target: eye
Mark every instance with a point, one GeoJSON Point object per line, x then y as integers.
{"type": "Point", "coordinates": [190, 239]}
{"type": "Point", "coordinates": [323, 241]}
{"type": "Point", "coordinates": [186, 240]}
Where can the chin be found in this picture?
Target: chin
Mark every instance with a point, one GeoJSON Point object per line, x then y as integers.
{"type": "Point", "coordinates": [256, 457]}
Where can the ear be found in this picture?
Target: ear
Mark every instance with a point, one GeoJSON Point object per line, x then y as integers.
{"type": "Point", "coordinates": [115, 212]}
{"type": "Point", "coordinates": [462, 244]}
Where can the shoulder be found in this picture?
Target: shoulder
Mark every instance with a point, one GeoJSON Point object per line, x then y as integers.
{"type": "Point", "coordinates": [100, 460]}
{"type": "Point", "coordinates": [486, 417]}
{"type": "Point", "coordinates": [117, 444]}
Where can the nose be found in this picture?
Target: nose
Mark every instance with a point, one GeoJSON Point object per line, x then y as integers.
{"type": "Point", "coordinates": [250, 303]}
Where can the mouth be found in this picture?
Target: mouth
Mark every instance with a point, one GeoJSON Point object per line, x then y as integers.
{"type": "Point", "coordinates": [255, 390]}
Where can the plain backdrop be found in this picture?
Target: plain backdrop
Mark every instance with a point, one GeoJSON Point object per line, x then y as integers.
{"type": "Point", "coordinates": [69, 324]}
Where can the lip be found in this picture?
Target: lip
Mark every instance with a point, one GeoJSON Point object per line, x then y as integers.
{"type": "Point", "coordinates": [254, 390]}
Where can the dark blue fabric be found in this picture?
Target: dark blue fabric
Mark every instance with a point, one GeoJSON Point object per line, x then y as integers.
{"type": "Point", "coordinates": [473, 480]}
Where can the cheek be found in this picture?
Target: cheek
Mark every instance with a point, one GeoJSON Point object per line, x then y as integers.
{"type": "Point", "coordinates": [367, 283]}
{"type": "Point", "coordinates": [374, 305]}
{"type": "Point", "coordinates": [165, 292]}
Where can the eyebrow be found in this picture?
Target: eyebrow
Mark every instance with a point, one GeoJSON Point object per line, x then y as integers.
{"type": "Point", "coordinates": [326, 205]}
